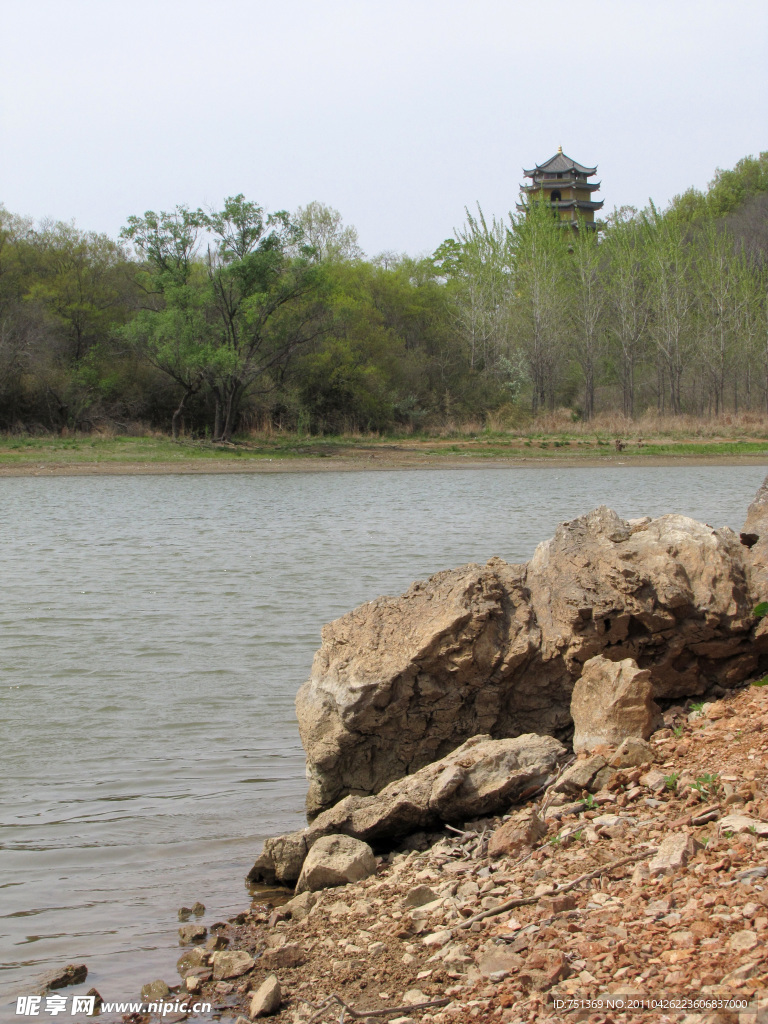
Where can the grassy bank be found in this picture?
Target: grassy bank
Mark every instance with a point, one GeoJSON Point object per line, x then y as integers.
{"type": "Point", "coordinates": [160, 454]}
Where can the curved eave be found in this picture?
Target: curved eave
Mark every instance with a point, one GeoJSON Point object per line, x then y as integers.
{"type": "Point", "coordinates": [559, 162]}
{"type": "Point", "coordinates": [578, 204]}
{"type": "Point", "coordinates": [551, 185]}
{"type": "Point", "coordinates": [570, 204]}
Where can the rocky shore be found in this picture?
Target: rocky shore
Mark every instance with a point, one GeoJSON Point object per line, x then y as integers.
{"type": "Point", "coordinates": [536, 793]}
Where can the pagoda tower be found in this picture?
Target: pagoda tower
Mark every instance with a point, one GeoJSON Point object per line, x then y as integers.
{"type": "Point", "coordinates": [565, 186]}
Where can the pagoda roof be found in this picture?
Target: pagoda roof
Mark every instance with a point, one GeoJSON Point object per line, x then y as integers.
{"type": "Point", "coordinates": [570, 204]}
{"type": "Point", "coordinates": [584, 186]}
{"type": "Point", "coordinates": [557, 164]}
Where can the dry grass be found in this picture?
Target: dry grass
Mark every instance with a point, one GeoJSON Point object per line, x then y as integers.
{"type": "Point", "coordinates": [651, 424]}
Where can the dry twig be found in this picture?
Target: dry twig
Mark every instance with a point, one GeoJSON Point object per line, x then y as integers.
{"type": "Point", "coordinates": [525, 901]}
{"type": "Point", "coordinates": [367, 1014]}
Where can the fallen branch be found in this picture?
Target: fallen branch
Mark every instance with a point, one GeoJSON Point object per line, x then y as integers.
{"type": "Point", "coordinates": [365, 1014]}
{"type": "Point", "coordinates": [460, 831]}
{"type": "Point", "coordinates": [547, 798]}
{"type": "Point", "coordinates": [526, 901]}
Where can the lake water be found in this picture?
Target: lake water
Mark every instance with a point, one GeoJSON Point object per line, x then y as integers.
{"type": "Point", "coordinates": [153, 634]}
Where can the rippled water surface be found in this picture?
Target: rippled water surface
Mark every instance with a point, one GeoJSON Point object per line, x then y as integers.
{"type": "Point", "coordinates": [153, 633]}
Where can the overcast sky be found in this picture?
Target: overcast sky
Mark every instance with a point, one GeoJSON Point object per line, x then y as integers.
{"type": "Point", "coordinates": [397, 113]}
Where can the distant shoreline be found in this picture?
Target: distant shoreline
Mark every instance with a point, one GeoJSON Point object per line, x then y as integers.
{"type": "Point", "coordinates": [365, 462]}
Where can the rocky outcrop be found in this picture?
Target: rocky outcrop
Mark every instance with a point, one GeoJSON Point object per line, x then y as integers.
{"type": "Point", "coordinates": [400, 682]}
{"type": "Point", "coordinates": [613, 701]}
{"type": "Point", "coordinates": [483, 776]}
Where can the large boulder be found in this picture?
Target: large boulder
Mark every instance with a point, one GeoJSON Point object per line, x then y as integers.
{"type": "Point", "coordinates": [335, 860]}
{"type": "Point", "coordinates": [482, 777]}
{"type": "Point", "coordinates": [400, 682]}
{"type": "Point", "coordinates": [613, 701]}
{"type": "Point", "coordinates": [754, 537]}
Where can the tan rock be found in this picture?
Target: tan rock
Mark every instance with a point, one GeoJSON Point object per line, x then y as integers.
{"type": "Point", "coordinates": [674, 853]}
{"type": "Point", "coordinates": [589, 773]}
{"type": "Point", "coordinates": [498, 961]}
{"type": "Point", "coordinates": [189, 933]}
{"type": "Point", "coordinates": [414, 996]}
{"type": "Point", "coordinates": [155, 991]}
{"type": "Point", "coordinates": [287, 956]}
{"type": "Point", "coordinates": [419, 896]}
{"type": "Point", "coordinates": [632, 753]}
{"type": "Point", "coordinates": [743, 941]}
{"type": "Point", "coordinates": [191, 960]}
{"type": "Point", "coordinates": [231, 964]}
{"type": "Point", "coordinates": [335, 860]}
{"type": "Point", "coordinates": [613, 701]}
{"type": "Point", "coordinates": [738, 823]}
{"type": "Point", "coordinates": [515, 836]}
{"type": "Point", "coordinates": [654, 780]}
{"type": "Point", "coordinates": [266, 999]}
{"type": "Point", "coordinates": [300, 906]}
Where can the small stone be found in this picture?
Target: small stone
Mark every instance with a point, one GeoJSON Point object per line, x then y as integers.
{"type": "Point", "coordinates": [266, 999]}
{"type": "Point", "coordinates": [374, 948]}
{"type": "Point", "coordinates": [155, 991]}
{"type": "Point", "coordinates": [632, 753]}
{"type": "Point", "coordinates": [419, 896]}
{"type": "Point", "coordinates": [196, 910]}
{"type": "Point", "coordinates": [497, 961]}
{"type": "Point", "coordinates": [190, 961]}
{"type": "Point", "coordinates": [437, 938]}
{"type": "Point", "coordinates": [289, 955]}
{"type": "Point", "coordinates": [61, 977]}
{"type": "Point", "coordinates": [515, 836]}
{"type": "Point", "coordinates": [192, 983]}
{"type": "Point", "coordinates": [739, 823]}
{"type": "Point", "coordinates": [654, 780]}
{"type": "Point", "coordinates": [189, 933]}
{"type": "Point", "coordinates": [413, 997]}
{"type": "Point", "coordinates": [674, 853]}
{"type": "Point", "coordinates": [743, 941]}
{"type": "Point", "coordinates": [744, 973]}
{"type": "Point", "coordinates": [231, 963]}
{"type": "Point", "coordinates": [582, 774]}
{"type": "Point", "coordinates": [300, 906]}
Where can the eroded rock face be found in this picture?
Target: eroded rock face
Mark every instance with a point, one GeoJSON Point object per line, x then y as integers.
{"type": "Point", "coordinates": [400, 682]}
{"type": "Point", "coordinates": [483, 776]}
{"type": "Point", "coordinates": [613, 701]}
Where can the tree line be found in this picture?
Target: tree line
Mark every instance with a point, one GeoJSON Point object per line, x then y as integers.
{"type": "Point", "coordinates": [210, 322]}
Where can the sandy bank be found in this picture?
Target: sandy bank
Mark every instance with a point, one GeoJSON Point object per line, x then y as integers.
{"type": "Point", "coordinates": [367, 463]}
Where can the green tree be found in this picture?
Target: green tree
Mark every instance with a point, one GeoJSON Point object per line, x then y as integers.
{"type": "Point", "coordinates": [668, 268]}
{"type": "Point", "coordinates": [236, 326]}
{"type": "Point", "coordinates": [627, 307]}
{"type": "Point", "coordinates": [586, 309]}
{"type": "Point", "coordinates": [540, 251]}
{"type": "Point", "coordinates": [323, 231]}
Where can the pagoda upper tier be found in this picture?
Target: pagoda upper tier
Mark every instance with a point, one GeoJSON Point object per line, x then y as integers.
{"type": "Point", "coordinates": [565, 186]}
